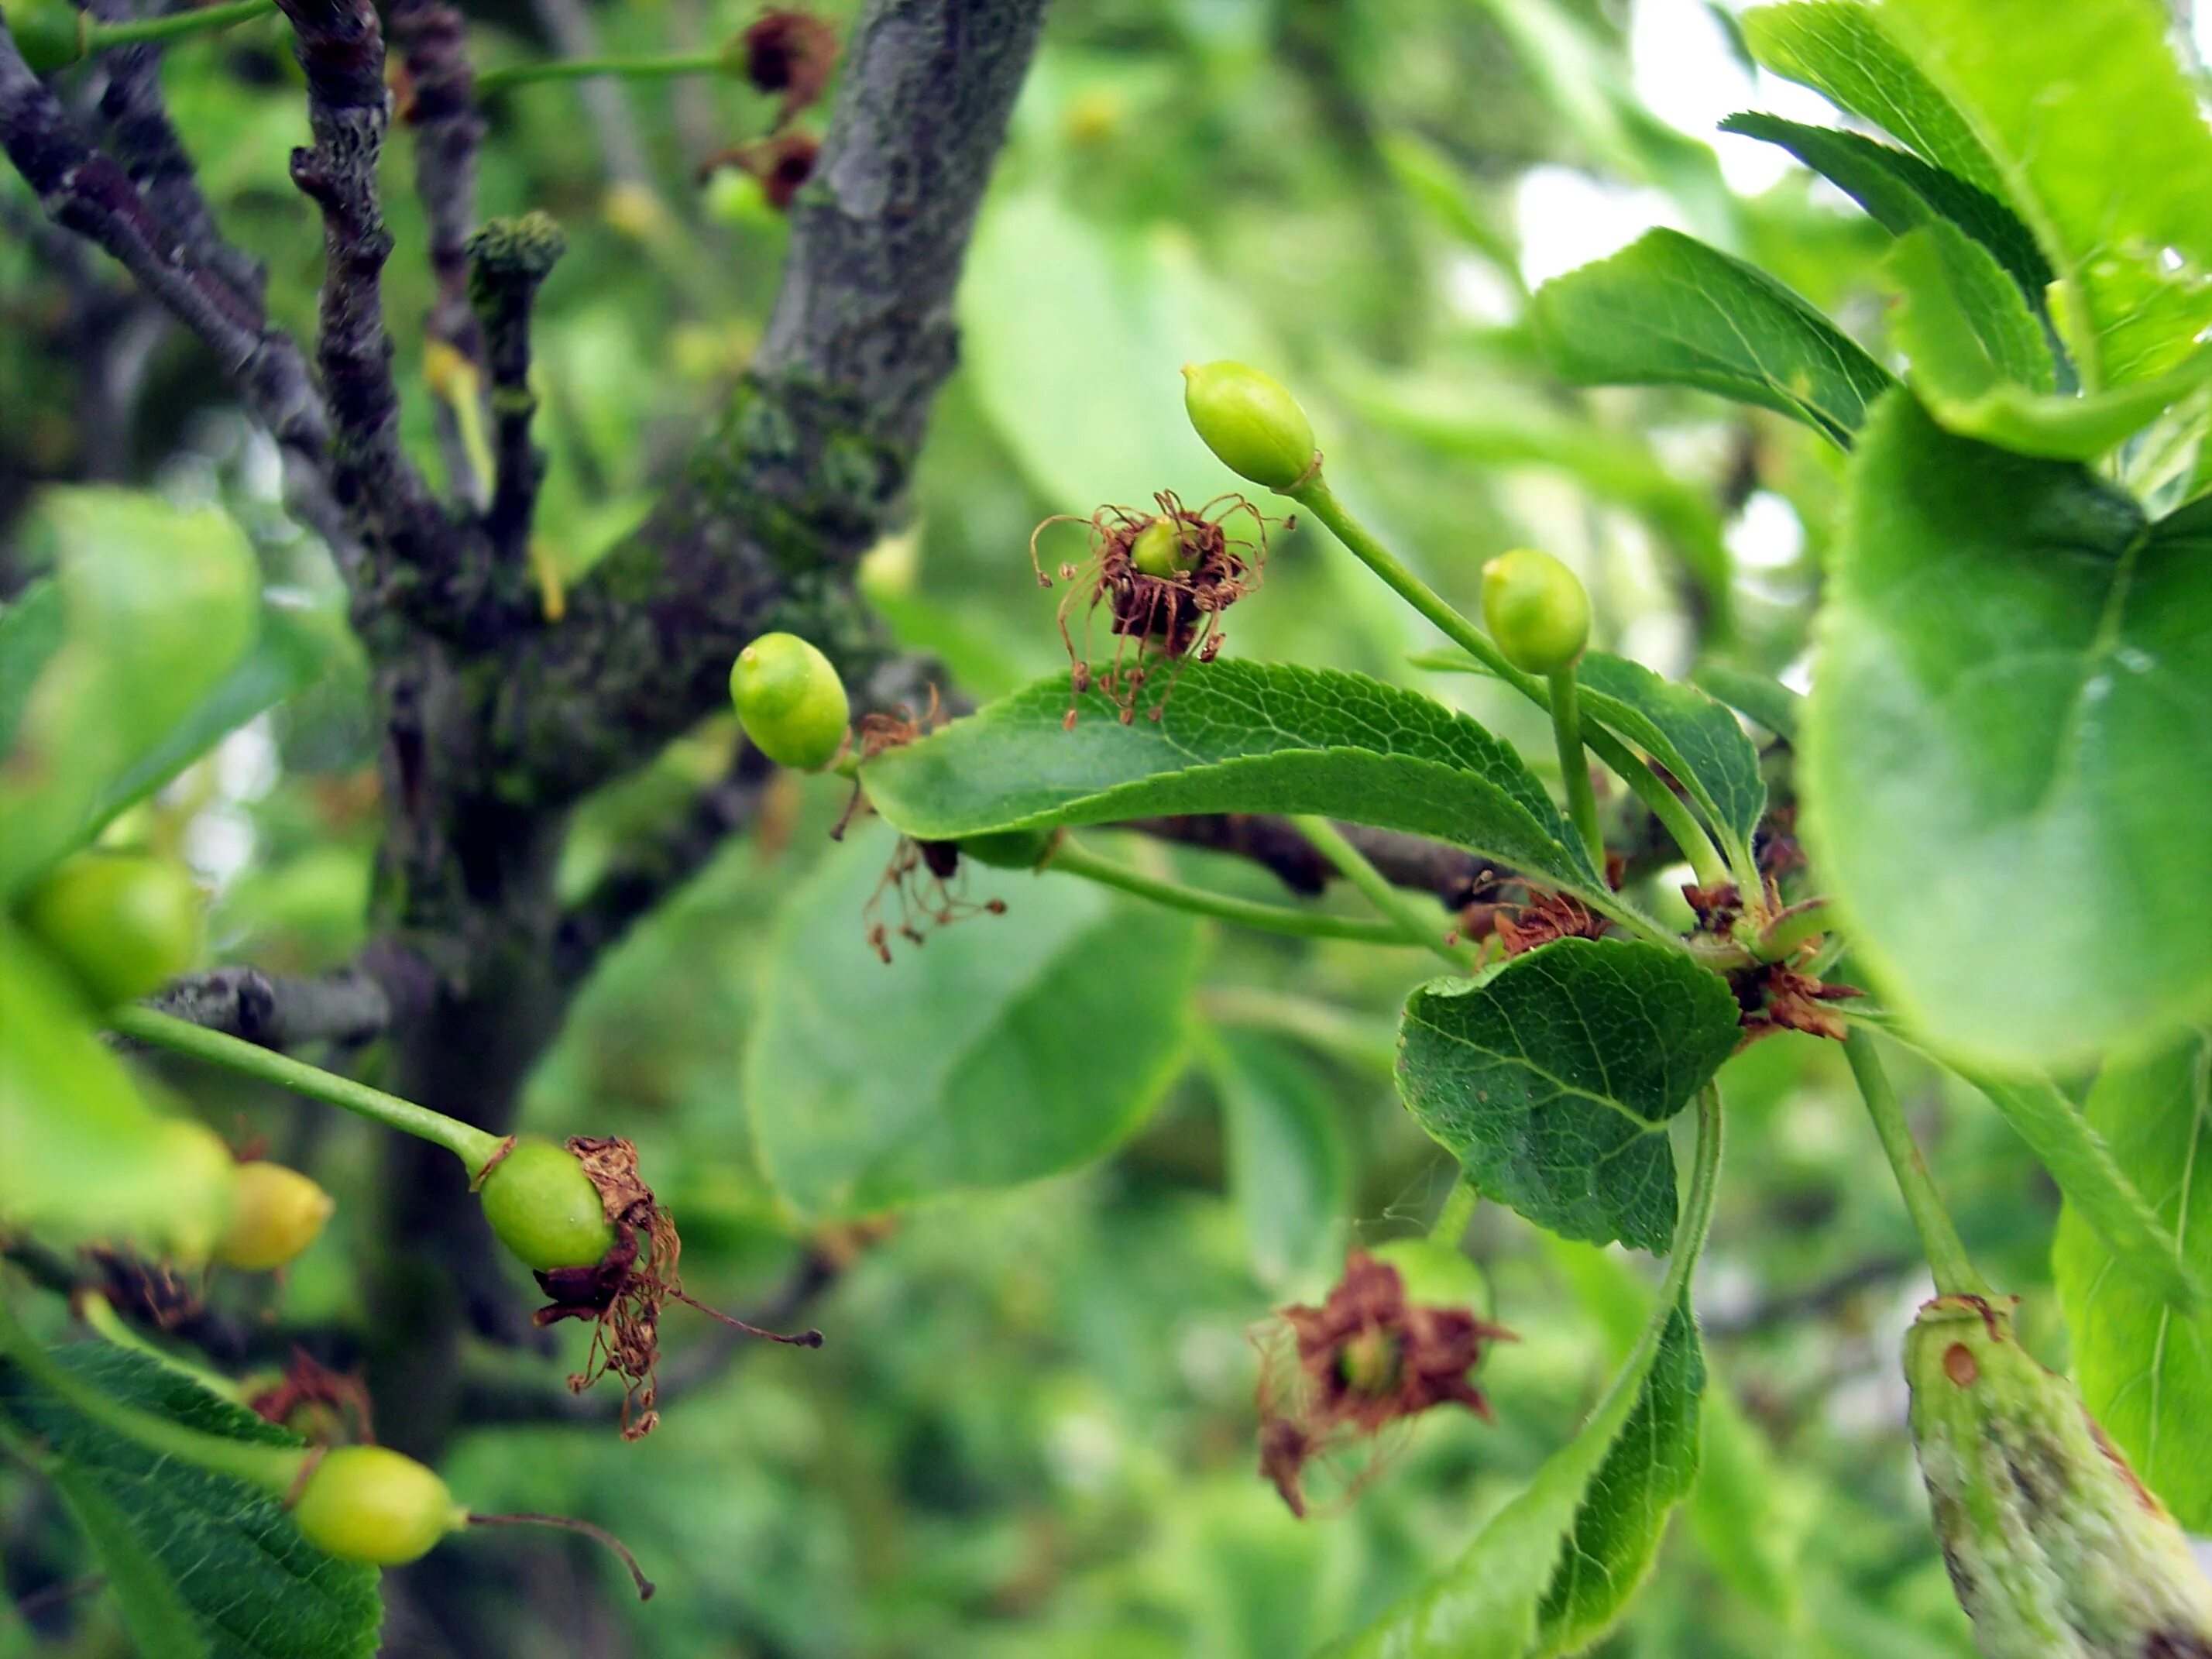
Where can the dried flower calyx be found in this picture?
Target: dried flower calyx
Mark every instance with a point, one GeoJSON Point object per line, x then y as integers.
{"type": "Point", "coordinates": [624, 1292]}
{"type": "Point", "coordinates": [1165, 578]}
{"type": "Point", "coordinates": [1367, 1358]}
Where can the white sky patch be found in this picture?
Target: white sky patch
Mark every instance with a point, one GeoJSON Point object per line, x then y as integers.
{"type": "Point", "coordinates": [1687, 73]}
{"type": "Point", "coordinates": [1568, 219]}
{"type": "Point", "coordinates": [1767, 534]}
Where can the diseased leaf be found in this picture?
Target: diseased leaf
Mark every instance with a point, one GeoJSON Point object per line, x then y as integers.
{"type": "Point", "coordinates": [157, 605]}
{"type": "Point", "coordinates": [1288, 1165]}
{"type": "Point", "coordinates": [1668, 311]}
{"type": "Point", "coordinates": [1553, 1080]}
{"type": "Point", "coordinates": [1901, 192]}
{"type": "Point", "coordinates": [1236, 737]}
{"type": "Point", "coordinates": [2145, 1367]}
{"type": "Point", "coordinates": [227, 1552]}
{"type": "Point", "coordinates": [1982, 368]}
{"type": "Point", "coordinates": [2100, 147]}
{"type": "Point", "coordinates": [873, 1086]}
{"type": "Point", "coordinates": [2013, 698]}
{"type": "Point", "coordinates": [1512, 1593]}
{"type": "Point", "coordinates": [1651, 1468]}
{"type": "Point", "coordinates": [1844, 51]}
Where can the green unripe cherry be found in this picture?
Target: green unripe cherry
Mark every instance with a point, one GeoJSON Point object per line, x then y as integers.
{"type": "Point", "coordinates": [49, 33]}
{"type": "Point", "coordinates": [1158, 550]}
{"type": "Point", "coordinates": [371, 1503]}
{"type": "Point", "coordinates": [1251, 420]}
{"type": "Point", "coordinates": [790, 701]}
{"type": "Point", "coordinates": [1536, 609]}
{"type": "Point", "coordinates": [125, 925]}
{"type": "Point", "coordinates": [545, 1209]}
{"type": "Point", "coordinates": [275, 1214]}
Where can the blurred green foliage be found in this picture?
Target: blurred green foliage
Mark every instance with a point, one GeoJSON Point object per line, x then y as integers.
{"type": "Point", "coordinates": [1031, 1428]}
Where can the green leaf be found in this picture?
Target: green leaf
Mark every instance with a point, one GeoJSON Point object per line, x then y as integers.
{"type": "Point", "coordinates": [1668, 311]}
{"type": "Point", "coordinates": [1650, 1468]}
{"type": "Point", "coordinates": [1749, 1520]}
{"type": "Point", "coordinates": [31, 628]}
{"type": "Point", "coordinates": [2098, 1191]}
{"type": "Point", "coordinates": [1902, 192]}
{"type": "Point", "coordinates": [1843, 50]}
{"type": "Point", "coordinates": [87, 1158]}
{"type": "Point", "coordinates": [1549, 1563]}
{"type": "Point", "coordinates": [1289, 1163]}
{"type": "Point", "coordinates": [871, 1086]}
{"type": "Point", "coordinates": [1964, 325]}
{"type": "Point", "coordinates": [1760, 697]}
{"type": "Point", "coordinates": [1553, 1080]}
{"type": "Point", "coordinates": [157, 605]}
{"type": "Point", "coordinates": [229, 1554]}
{"type": "Point", "coordinates": [1982, 366]}
{"type": "Point", "coordinates": [2010, 699]}
{"type": "Point", "coordinates": [1236, 737]}
{"type": "Point", "coordinates": [2145, 1368]}
{"type": "Point", "coordinates": [1695, 738]}
{"type": "Point", "coordinates": [2100, 145]}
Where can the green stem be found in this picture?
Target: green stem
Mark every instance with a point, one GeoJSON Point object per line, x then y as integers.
{"type": "Point", "coordinates": [1415, 920]}
{"type": "Point", "coordinates": [473, 1145]}
{"type": "Point", "coordinates": [1696, 846]}
{"type": "Point", "coordinates": [99, 1316]}
{"type": "Point", "coordinates": [1567, 731]}
{"type": "Point", "coordinates": [1955, 1273]}
{"type": "Point", "coordinates": [1690, 1231]}
{"type": "Point", "coordinates": [579, 69]}
{"type": "Point", "coordinates": [272, 1467]}
{"type": "Point", "coordinates": [1458, 1210]}
{"type": "Point", "coordinates": [1268, 918]}
{"type": "Point", "coordinates": [203, 19]}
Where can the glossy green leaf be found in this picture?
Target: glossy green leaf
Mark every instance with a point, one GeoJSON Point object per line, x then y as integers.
{"type": "Point", "coordinates": [1651, 1468]}
{"type": "Point", "coordinates": [87, 1158]}
{"type": "Point", "coordinates": [1289, 1167]}
{"type": "Point", "coordinates": [1236, 737]}
{"type": "Point", "coordinates": [2100, 147]}
{"type": "Point", "coordinates": [157, 605]}
{"type": "Point", "coordinates": [1553, 1080]}
{"type": "Point", "coordinates": [1901, 192]}
{"type": "Point", "coordinates": [872, 1085]}
{"type": "Point", "coordinates": [2009, 700]}
{"type": "Point", "coordinates": [1843, 50]}
{"type": "Point", "coordinates": [1981, 365]}
{"type": "Point", "coordinates": [2145, 1367]}
{"type": "Point", "coordinates": [1555, 1566]}
{"type": "Point", "coordinates": [253, 1588]}
{"type": "Point", "coordinates": [1669, 311]}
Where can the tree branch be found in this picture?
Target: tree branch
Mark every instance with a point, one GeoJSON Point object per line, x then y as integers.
{"type": "Point", "coordinates": [507, 261]}
{"type": "Point", "coordinates": [340, 47]}
{"type": "Point", "coordinates": [777, 507]}
{"type": "Point", "coordinates": [652, 869]}
{"type": "Point", "coordinates": [347, 1006]}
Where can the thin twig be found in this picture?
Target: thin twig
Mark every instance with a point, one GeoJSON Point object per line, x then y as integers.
{"type": "Point", "coordinates": [507, 261]}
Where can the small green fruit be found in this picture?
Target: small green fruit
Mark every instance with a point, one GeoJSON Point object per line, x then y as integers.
{"type": "Point", "coordinates": [1536, 611]}
{"type": "Point", "coordinates": [1158, 550]}
{"type": "Point", "coordinates": [275, 1214]}
{"type": "Point", "coordinates": [371, 1504]}
{"type": "Point", "coordinates": [124, 924]}
{"type": "Point", "coordinates": [1251, 420]}
{"type": "Point", "coordinates": [790, 701]}
{"type": "Point", "coordinates": [545, 1209]}
{"type": "Point", "coordinates": [49, 33]}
